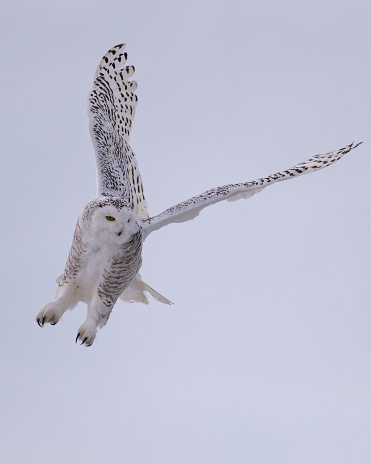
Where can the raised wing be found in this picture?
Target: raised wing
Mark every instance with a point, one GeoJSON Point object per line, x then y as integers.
{"type": "Point", "coordinates": [191, 208]}
{"type": "Point", "coordinates": [111, 111]}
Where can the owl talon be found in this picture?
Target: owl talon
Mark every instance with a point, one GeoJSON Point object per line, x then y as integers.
{"type": "Point", "coordinates": [50, 313]}
{"type": "Point", "coordinates": [83, 341]}
{"type": "Point", "coordinates": [41, 322]}
{"type": "Point", "coordinates": [86, 334]}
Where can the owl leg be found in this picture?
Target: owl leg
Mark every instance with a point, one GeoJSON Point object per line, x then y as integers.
{"type": "Point", "coordinates": [54, 310]}
{"type": "Point", "coordinates": [97, 316]}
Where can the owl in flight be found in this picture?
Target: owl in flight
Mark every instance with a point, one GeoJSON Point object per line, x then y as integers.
{"type": "Point", "coordinates": [106, 253]}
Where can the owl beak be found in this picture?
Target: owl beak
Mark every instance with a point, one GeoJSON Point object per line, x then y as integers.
{"type": "Point", "coordinates": [119, 233]}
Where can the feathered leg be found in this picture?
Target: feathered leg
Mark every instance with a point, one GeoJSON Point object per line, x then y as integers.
{"type": "Point", "coordinates": [52, 312]}
{"type": "Point", "coordinates": [97, 316]}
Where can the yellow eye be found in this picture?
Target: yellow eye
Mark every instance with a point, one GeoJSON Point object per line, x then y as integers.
{"type": "Point", "coordinates": [110, 218]}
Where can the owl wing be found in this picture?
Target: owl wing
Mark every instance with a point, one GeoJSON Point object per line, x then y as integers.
{"type": "Point", "coordinates": [111, 111]}
{"type": "Point", "coordinates": [191, 208]}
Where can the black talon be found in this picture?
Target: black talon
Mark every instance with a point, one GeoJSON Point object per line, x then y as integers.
{"type": "Point", "coordinates": [84, 341]}
{"type": "Point", "coordinates": [77, 337]}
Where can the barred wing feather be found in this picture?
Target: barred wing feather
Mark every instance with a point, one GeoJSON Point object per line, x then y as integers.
{"type": "Point", "coordinates": [191, 208]}
{"type": "Point", "coordinates": [111, 111]}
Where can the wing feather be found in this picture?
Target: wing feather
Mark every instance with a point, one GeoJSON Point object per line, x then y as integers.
{"type": "Point", "coordinates": [191, 208]}
{"type": "Point", "coordinates": [111, 111]}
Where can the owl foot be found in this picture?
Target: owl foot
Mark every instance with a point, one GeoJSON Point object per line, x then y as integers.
{"type": "Point", "coordinates": [50, 313]}
{"type": "Point", "coordinates": [86, 333]}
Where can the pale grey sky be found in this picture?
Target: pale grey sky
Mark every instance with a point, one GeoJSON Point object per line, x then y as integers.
{"type": "Point", "coordinates": [265, 356]}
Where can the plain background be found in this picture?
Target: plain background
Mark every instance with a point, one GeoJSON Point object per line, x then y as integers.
{"type": "Point", "coordinates": [265, 356]}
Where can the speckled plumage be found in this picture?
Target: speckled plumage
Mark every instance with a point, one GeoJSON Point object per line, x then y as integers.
{"type": "Point", "coordinates": [112, 103]}
{"type": "Point", "coordinates": [106, 252]}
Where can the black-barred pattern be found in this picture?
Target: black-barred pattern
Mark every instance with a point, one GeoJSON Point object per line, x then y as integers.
{"type": "Point", "coordinates": [111, 110]}
{"type": "Point", "coordinates": [190, 208]}
{"type": "Point", "coordinates": [123, 268]}
{"type": "Point", "coordinates": [74, 259]}
{"type": "Point", "coordinates": [113, 92]}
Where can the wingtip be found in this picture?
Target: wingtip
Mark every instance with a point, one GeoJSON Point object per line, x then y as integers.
{"type": "Point", "coordinates": [349, 147]}
{"type": "Point", "coordinates": [354, 144]}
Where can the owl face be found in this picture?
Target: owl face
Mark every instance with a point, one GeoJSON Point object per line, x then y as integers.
{"type": "Point", "coordinates": [112, 225]}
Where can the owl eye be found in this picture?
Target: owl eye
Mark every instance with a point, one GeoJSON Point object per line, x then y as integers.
{"type": "Point", "coordinates": [110, 218]}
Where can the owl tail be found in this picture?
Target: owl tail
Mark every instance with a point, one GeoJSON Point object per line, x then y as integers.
{"type": "Point", "coordinates": [135, 293]}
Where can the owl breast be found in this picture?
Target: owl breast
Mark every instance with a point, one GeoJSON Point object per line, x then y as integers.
{"type": "Point", "coordinates": [121, 270]}
{"type": "Point", "coordinates": [104, 270]}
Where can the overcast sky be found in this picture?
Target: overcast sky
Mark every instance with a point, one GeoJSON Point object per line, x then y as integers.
{"type": "Point", "coordinates": [265, 357]}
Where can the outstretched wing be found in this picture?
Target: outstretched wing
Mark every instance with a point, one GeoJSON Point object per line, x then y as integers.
{"type": "Point", "coordinates": [111, 111]}
{"type": "Point", "coordinates": [191, 208]}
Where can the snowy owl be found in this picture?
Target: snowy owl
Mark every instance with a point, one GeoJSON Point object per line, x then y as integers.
{"type": "Point", "coordinates": [106, 253]}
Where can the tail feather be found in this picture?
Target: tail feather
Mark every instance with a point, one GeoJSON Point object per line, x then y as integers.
{"type": "Point", "coordinates": [135, 293]}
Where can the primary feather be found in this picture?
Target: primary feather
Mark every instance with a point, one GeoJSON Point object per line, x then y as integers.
{"type": "Point", "coordinates": [191, 208]}
{"type": "Point", "coordinates": [111, 111]}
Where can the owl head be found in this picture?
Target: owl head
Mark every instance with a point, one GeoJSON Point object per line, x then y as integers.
{"type": "Point", "coordinates": [110, 221]}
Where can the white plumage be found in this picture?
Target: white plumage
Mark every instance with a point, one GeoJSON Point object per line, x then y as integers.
{"type": "Point", "coordinates": [106, 252]}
